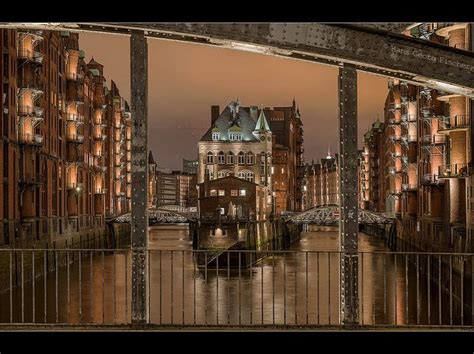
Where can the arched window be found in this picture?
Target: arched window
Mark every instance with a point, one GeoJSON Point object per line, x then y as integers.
{"type": "Point", "coordinates": [242, 174]}
{"type": "Point", "coordinates": [230, 158]}
{"type": "Point", "coordinates": [249, 176]}
{"type": "Point", "coordinates": [223, 173]}
{"type": "Point", "coordinates": [221, 158]}
{"type": "Point", "coordinates": [210, 157]}
{"type": "Point", "coordinates": [241, 158]}
{"type": "Point", "coordinates": [250, 158]}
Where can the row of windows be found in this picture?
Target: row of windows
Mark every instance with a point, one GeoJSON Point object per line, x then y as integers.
{"type": "Point", "coordinates": [232, 136]}
{"type": "Point", "coordinates": [233, 192]}
{"type": "Point", "coordinates": [230, 158]}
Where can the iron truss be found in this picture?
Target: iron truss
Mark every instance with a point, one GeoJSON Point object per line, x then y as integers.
{"type": "Point", "coordinates": [329, 215]}
{"type": "Point", "coordinates": [169, 214]}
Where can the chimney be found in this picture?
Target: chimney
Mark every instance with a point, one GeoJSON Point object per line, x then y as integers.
{"type": "Point", "coordinates": [254, 112]}
{"type": "Point", "coordinates": [215, 110]}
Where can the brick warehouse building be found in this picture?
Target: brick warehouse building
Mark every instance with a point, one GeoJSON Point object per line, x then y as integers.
{"type": "Point", "coordinates": [56, 114]}
{"type": "Point", "coordinates": [428, 161]}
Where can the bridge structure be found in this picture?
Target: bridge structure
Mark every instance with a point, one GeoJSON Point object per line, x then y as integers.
{"type": "Point", "coordinates": [169, 214]}
{"type": "Point", "coordinates": [329, 215]}
{"type": "Point", "coordinates": [372, 48]}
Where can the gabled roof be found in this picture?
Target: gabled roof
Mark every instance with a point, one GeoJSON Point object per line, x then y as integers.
{"type": "Point", "coordinates": [227, 120]}
{"type": "Point", "coordinates": [151, 160]}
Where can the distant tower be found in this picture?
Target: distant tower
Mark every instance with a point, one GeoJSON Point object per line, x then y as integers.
{"type": "Point", "coordinates": [329, 153]}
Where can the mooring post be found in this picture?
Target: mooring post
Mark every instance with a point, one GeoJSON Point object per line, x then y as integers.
{"type": "Point", "coordinates": [139, 221]}
{"type": "Point", "coordinates": [348, 208]}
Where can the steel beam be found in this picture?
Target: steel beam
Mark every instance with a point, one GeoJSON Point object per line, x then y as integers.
{"type": "Point", "coordinates": [139, 222]}
{"type": "Point", "coordinates": [348, 208]}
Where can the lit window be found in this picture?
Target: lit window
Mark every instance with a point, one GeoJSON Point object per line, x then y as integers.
{"type": "Point", "coordinates": [235, 136]}
{"type": "Point", "coordinates": [230, 158]}
{"type": "Point", "coordinates": [210, 157]}
{"type": "Point", "coordinates": [221, 158]}
{"type": "Point", "coordinates": [241, 158]}
{"type": "Point", "coordinates": [242, 192]}
{"type": "Point", "coordinates": [221, 192]}
{"type": "Point", "coordinates": [213, 192]}
{"type": "Point", "coordinates": [234, 192]}
{"type": "Point", "coordinates": [242, 175]}
{"type": "Point", "coordinates": [249, 176]}
{"type": "Point", "coordinates": [215, 136]}
{"type": "Point", "coordinates": [273, 170]}
{"type": "Point", "coordinates": [282, 170]}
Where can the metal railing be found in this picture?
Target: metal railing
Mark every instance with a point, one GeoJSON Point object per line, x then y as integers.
{"type": "Point", "coordinates": [455, 170]}
{"type": "Point", "coordinates": [75, 138]}
{"type": "Point", "coordinates": [239, 288]}
{"type": "Point", "coordinates": [31, 139]}
{"type": "Point", "coordinates": [30, 55]}
{"type": "Point", "coordinates": [34, 111]}
{"type": "Point", "coordinates": [458, 121]}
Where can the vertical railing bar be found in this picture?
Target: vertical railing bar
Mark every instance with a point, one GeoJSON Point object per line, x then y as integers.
{"type": "Point", "coordinates": [205, 287]}
{"type": "Point", "coordinates": [33, 285]}
{"type": "Point", "coordinates": [217, 289]}
{"type": "Point", "coordinates": [194, 287]}
{"type": "Point", "coordinates": [115, 285]}
{"type": "Point", "coordinates": [284, 289]}
{"type": "Point", "coordinates": [428, 266]}
{"type": "Point", "coordinates": [395, 288]}
{"type": "Point", "coordinates": [373, 257]}
{"type": "Point", "coordinates": [126, 286]}
{"type": "Point", "coordinates": [296, 288]}
{"type": "Point", "coordinates": [273, 287]}
{"type": "Point", "coordinates": [418, 288]}
{"type": "Point", "coordinates": [362, 287]}
{"type": "Point", "coordinates": [68, 288]}
{"type": "Point", "coordinates": [92, 286]}
{"type": "Point", "coordinates": [80, 286]}
{"type": "Point", "coordinates": [472, 290]}
{"type": "Point", "coordinates": [318, 283]}
{"type": "Point", "coordinates": [251, 287]}
{"type": "Point", "coordinates": [22, 289]}
{"type": "Point", "coordinates": [451, 289]}
{"type": "Point", "coordinates": [240, 288]}
{"type": "Point", "coordinates": [462, 290]}
{"type": "Point", "coordinates": [11, 286]}
{"type": "Point", "coordinates": [385, 288]}
{"type": "Point", "coordinates": [103, 287]}
{"type": "Point", "coordinates": [57, 290]}
{"type": "Point", "coordinates": [182, 279]}
{"type": "Point", "coordinates": [306, 305]}
{"type": "Point", "coordinates": [406, 289]}
{"type": "Point", "coordinates": [228, 287]}
{"type": "Point", "coordinates": [172, 286]}
{"type": "Point", "coordinates": [329, 287]}
{"type": "Point", "coordinates": [261, 286]}
{"type": "Point", "coordinates": [440, 305]}
{"type": "Point", "coordinates": [161, 288]}
{"type": "Point", "coordinates": [45, 305]}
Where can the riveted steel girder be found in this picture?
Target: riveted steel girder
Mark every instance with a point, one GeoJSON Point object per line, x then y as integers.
{"type": "Point", "coordinates": [348, 208]}
{"type": "Point", "coordinates": [139, 222]}
{"type": "Point", "coordinates": [368, 47]}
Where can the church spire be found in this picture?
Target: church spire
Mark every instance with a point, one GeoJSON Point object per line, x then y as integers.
{"type": "Point", "coordinates": [262, 124]}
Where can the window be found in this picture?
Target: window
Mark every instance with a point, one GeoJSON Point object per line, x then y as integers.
{"type": "Point", "coordinates": [234, 192]}
{"type": "Point", "coordinates": [249, 176]}
{"type": "Point", "coordinates": [241, 158]}
{"type": "Point", "coordinates": [210, 157]}
{"type": "Point", "coordinates": [250, 159]}
{"type": "Point", "coordinates": [242, 192]}
{"type": "Point", "coordinates": [223, 173]}
{"type": "Point", "coordinates": [230, 158]}
{"type": "Point", "coordinates": [242, 175]}
{"type": "Point", "coordinates": [235, 136]}
{"type": "Point", "coordinates": [215, 136]}
{"type": "Point", "coordinates": [221, 192]}
{"type": "Point", "coordinates": [221, 158]}
{"type": "Point", "coordinates": [213, 192]}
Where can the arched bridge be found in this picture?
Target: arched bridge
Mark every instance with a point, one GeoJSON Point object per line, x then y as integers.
{"type": "Point", "coordinates": [329, 215]}
{"type": "Point", "coordinates": [167, 214]}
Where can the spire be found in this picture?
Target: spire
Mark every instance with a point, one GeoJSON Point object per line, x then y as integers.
{"type": "Point", "coordinates": [329, 152]}
{"type": "Point", "coordinates": [294, 103]}
{"type": "Point", "coordinates": [262, 124]}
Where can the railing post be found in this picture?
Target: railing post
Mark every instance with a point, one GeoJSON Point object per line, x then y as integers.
{"type": "Point", "coordinates": [348, 209]}
{"type": "Point", "coordinates": [139, 221]}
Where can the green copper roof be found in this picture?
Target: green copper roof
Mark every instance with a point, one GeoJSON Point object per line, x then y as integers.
{"type": "Point", "coordinates": [95, 72]}
{"type": "Point", "coordinates": [262, 124]}
{"type": "Point", "coordinates": [82, 54]}
{"type": "Point", "coordinates": [235, 128]}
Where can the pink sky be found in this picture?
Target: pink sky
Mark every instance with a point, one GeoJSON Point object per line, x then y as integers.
{"type": "Point", "coordinates": [186, 79]}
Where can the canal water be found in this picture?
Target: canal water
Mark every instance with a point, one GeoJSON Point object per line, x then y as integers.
{"type": "Point", "coordinates": [297, 286]}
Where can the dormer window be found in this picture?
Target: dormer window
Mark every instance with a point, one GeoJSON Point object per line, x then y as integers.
{"type": "Point", "coordinates": [235, 136]}
{"type": "Point", "coordinates": [215, 136]}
